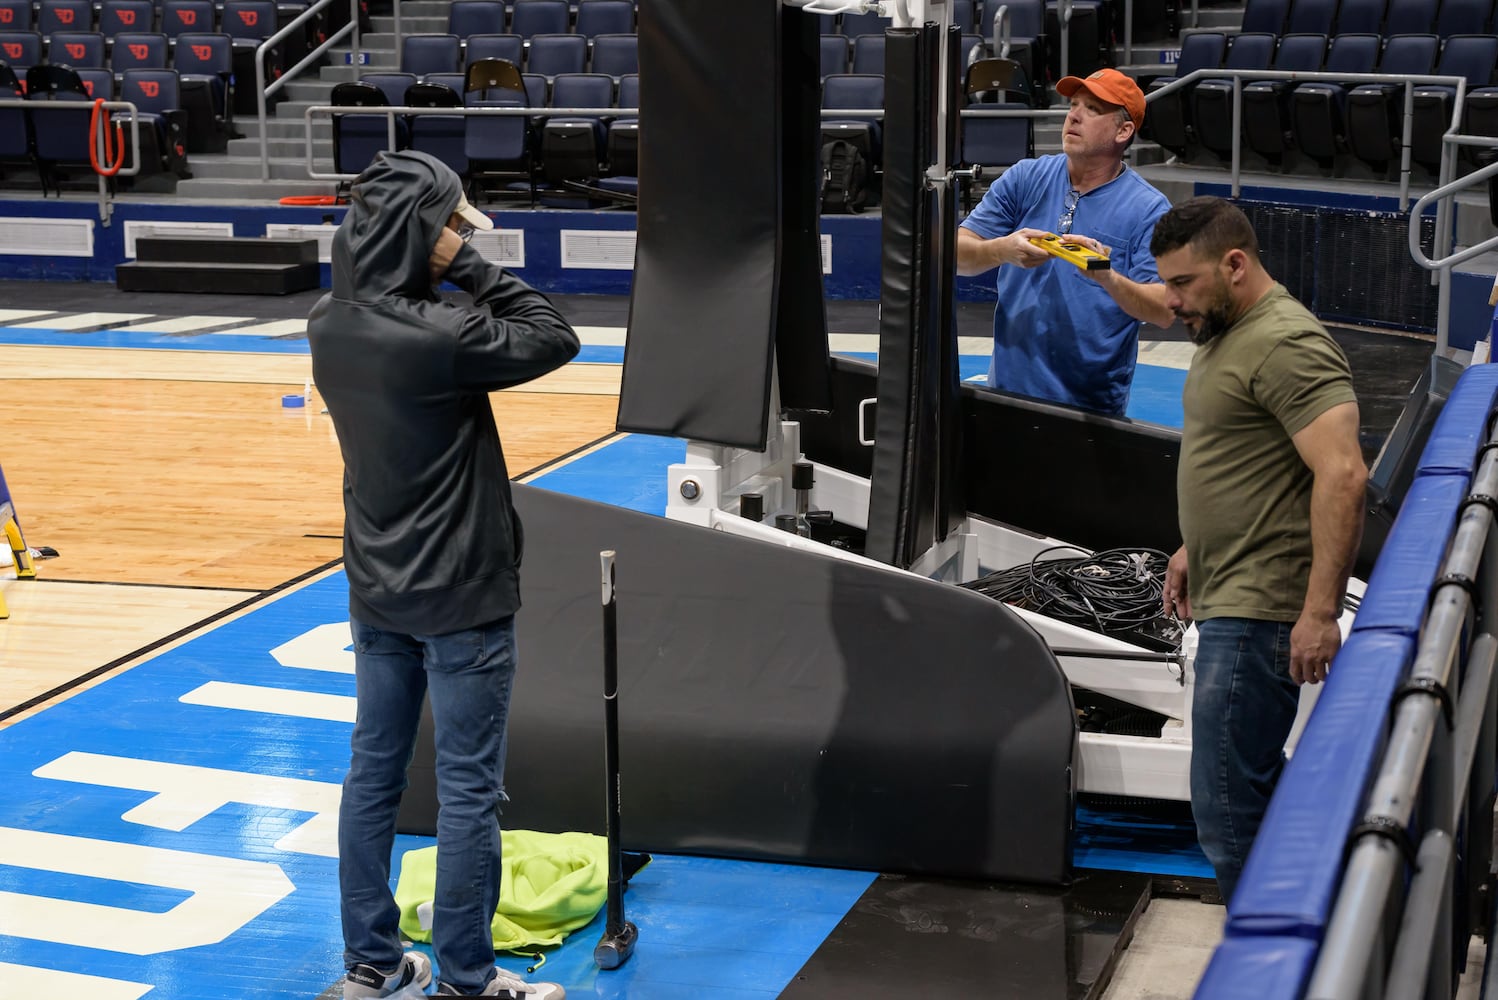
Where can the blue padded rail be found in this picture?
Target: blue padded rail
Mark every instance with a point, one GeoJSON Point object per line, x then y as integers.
{"type": "Point", "coordinates": [1295, 866]}
{"type": "Point", "coordinates": [1264, 968]}
{"type": "Point", "coordinates": [1462, 426]}
{"type": "Point", "coordinates": [1399, 587]}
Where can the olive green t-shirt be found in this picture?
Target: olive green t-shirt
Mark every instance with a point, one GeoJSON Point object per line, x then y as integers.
{"type": "Point", "coordinates": [1244, 492]}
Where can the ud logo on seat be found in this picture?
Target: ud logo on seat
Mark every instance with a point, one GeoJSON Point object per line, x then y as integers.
{"type": "Point", "coordinates": [7, 16]}
{"type": "Point", "coordinates": [75, 51]}
{"type": "Point", "coordinates": [12, 50]}
{"type": "Point", "coordinates": [249, 17]}
{"type": "Point", "coordinates": [203, 52]}
{"type": "Point", "coordinates": [65, 16]}
{"type": "Point", "coordinates": [88, 85]}
{"type": "Point", "coordinates": [126, 16]}
{"type": "Point", "coordinates": [150, 88]}
{"type": "Point", "coordinates": [139, 52]}
{"type": "Point", "coordinates": [189, 17]}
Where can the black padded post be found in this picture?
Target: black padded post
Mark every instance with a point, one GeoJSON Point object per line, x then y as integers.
{"type": "Point", "coordinates": [723, 281]}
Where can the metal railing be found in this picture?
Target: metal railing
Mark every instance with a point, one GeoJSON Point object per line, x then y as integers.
{"type": "Point", "coordinates": [263, 92]}
{"type": "Point", "coordinates": [129, 169]}
{"type": "Point", "coordinates": [1442, 197]}
{"type": "Point", "coordinates": [1391, 934]}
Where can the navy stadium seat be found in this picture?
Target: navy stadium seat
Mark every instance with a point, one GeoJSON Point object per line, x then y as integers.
{"type": "Point", "coordinates": [615, 55]}
{"type": "Point", "coordinates": [510, 48]}
{"type": "Point", "coordinates": [138, 50]}
{"type": "Point", "coordinates": [178, 16]}
{"type": "Point", "coordinates": [1409, 17]}
{"type": "Point", "coordinates": [163, 142]}
{"type": "Point", "coordinates": [15, 15]}
{"type": "Point", "coordinates": [552, 55]}
{"type": "Point", "coordinates": [61, 137]}
{"type": "Point", "coordinates": [116, 16]}
{"type": "Point", "coordinates": [423, 54]}
{"type": "Point", "coordinates": [501, 148]}
{"type": "Point", "coordinates": [1024, 23]}
{"type": "Point", "coordinates": [834, 54]}
{"type": "Point", "coordinates": [392, 85]}
{"type": "Point", "coordinates": [1375, 110]}
{"type": "Point", "coordinates": [1264, 16]}
{"type": "Point", "coordinates": [21, 50]}
{"type": "Point", "coordinates": [1464, 17]}
{"type": "Point", "coordinates": [1266, 103]}
{"type": "Point", "coordinates": [605, 17]}
{"type": "Point", "coordinates": [1212, 100]}
{"type": "Point", "coordinates": [248, 23]}
{"type": "Point", "coordinates": [1474, 57]}
{"type": "Point", "coordinates": [572, 147]}
{"type": "Point", "coordinates": [1167, 120]}
{"type": "Point", "coordinates": [441, 136]}
{"type": "Point", "coordinates": [15, 128]}
{"type": "Point", "coordinates": [868, 54]}
{"type": "Point", "coordinates": [357, 138]}
{"type": "Point", "coordinates": [1360, 17]}
{"type": "Point", "coordinates": [540, 17]}
{"type": "Point", "coordinates": [98, 81]}
{"type": "Point", "coordinates": [854, 25]}
{"type": "Point", "coordinates": [622, 146]}
{"type": "Point", "coordinates": [476, 17]}
{"type": "Point", "coordinates": [1311, 17]}
{"type": "Point", "coordinates": [1318, 110]}
{"type": "Point", "coordinates": [76, 48]}
{"type": "Point", "coordinates": [204, 61]}
{"type": "Point", "coordinates": [850, 91]}
{"type": "Point", "coordinates": [994, 142]}
{"type": "Point", "coordinates": [64, 15]}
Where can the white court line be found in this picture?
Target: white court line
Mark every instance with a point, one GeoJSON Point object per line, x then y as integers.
{"type": "Point", "coordinates": [1166, 353]}
{"type": "Point", "coordinates": [600, 336]}
{"type": "Point", "coordinates": [80, 321]}
{"type": "Point", "coordinates": [272, 701]}
{"type": "Point", "coordinates": [188, 324]}
{"type": "Point", "coordinates": [7, 315]}
{"type": "Point", "coordinates": [275, 328]}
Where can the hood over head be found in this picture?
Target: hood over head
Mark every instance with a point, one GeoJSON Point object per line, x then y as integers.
{"type": "Point", "coordinates": [397, 208]}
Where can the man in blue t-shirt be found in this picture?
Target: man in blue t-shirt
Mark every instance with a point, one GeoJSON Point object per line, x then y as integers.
{"type": "Point", "coordinates": [1060, 333]}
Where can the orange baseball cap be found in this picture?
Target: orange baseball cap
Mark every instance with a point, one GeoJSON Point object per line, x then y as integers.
{"type": "Point", "coordinates": [1112, 86]}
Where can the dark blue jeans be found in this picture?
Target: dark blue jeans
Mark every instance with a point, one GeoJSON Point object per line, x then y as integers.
{"type": "Point", "coordinates": [1241, 715]}
{"type": "Point", "coordinates": [468, 675]}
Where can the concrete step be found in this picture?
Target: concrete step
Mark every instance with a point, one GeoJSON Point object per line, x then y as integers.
{"type": "Point", "coordinates": [410, 25]}
{"type": "Point", "coordinates": [314, 90]}
{"type": "Point", "coordinates": [282, 149]}
{"type": "Point", "coordinates": [322, 129]}
{"type": "Point", "coordinates": [424, 8]}
{"type": "Point", "coordinates": [222, 189]}
{"type": "Point", "coordinates": [246, 168]}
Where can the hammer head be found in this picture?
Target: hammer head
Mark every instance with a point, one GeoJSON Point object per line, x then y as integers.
{"type": "Point", "coordinates": [615, 947]}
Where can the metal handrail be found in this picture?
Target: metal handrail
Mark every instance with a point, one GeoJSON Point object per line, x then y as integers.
{"type": "Point", "coordinates": [1442, 266]}
{"type": "Point", "coordinates": [262, 92]}
{"type": "Point", "coordinates": [131, 169]}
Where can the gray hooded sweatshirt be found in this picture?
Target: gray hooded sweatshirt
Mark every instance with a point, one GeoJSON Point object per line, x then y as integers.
{"type": "Point", "coordinates": [431, 540]}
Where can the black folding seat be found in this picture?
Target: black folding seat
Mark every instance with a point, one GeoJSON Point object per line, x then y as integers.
{"type": "Point", "coordinates": [1471, 56]}
{"type": "Point", "coordinates": [1167, 119]}
{"type": "Point", "coordinates": [1266, 103]}
{"type": "Point", "coordinates": [358, 138]}
{"type": "Point", "coordinates": [1318, 110]}
{"type": "Point", "coordinates": [441, 136]}
{"type": "Point", "coordinates": [1375, 111]}
{"type": "Point", "coordinates": [572, 146]}
{"type": "Point", "coordinates": [1212, 100]}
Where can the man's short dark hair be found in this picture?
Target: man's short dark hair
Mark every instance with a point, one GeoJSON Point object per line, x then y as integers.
{"type": "Point", "coordinates": [1210, 226]}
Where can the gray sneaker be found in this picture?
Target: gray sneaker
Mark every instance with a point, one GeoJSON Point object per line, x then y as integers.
{"type": "Point", "coordinates": [510, 987]}
{"type": "Point", "coordinates": [367, 981]}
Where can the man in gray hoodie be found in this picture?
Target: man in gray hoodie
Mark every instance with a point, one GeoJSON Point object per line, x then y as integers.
{"type": "Point", "coordinates": [432, 548]}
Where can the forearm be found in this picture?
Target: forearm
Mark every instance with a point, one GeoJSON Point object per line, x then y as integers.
{"type": "Point", "coordinates": [1145, 302]}
{"type": "Point", "coordinates": [1337, 502]}
{"type": "Point", "coordinates": [975, 254]}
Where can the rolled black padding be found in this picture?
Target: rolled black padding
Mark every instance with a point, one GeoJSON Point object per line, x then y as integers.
{"type": "Point", "coordinates": [721, 282]}
{"type": "Point", "coordinates": [778, 704]}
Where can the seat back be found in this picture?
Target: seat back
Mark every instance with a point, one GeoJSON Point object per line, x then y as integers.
{"type": "Point", "coordinates": [1265, 16]}
{"type": "Point", "coordinates": [358, 94]}
{"type": "Point", "coordinates": [1352, 53]}
{"type": "Point", "coordinates": [863, 24]}
{"type": "Point", "coordinates": [629, 91]}
{"type": "Point", "coordinates": [1464, 17]}
{"type": "Point", "coordinates": [204, 53]}
{"type": "Point", "coordinates": [853, 91]}
{"type": "Point", "coordinates": [536, 86]}
{"type": "Point", "coordinates": [15, 15]}
{"type": "Point", "coordinates": [582, 90]}
{"type": "Point", "coordinates": [98, 82]}
{"type": "Point", "coordinates": [1313, 17]}
{"type": "Point", "coordinates": [116, 16]}
{"type": "Point", "coordinates": [540, 17]}
{"type": "Point", "coordinates": [1360, 17]}
{"type": "Point", "coordinates": [439, 135]}
{"type": "Point", "coordinates": [154, 91]}
{"type": "Point", "coordinates": [179, 16]}
{"type": "Point", "coordinates": [15, 131]}
{"type": "Point", "coordinates": [1300, 53]}
{"type": "Point", "coordinates": [1409, 17]}
{"type": "Point", "coordinates": [868, 55]}
{"type": "Point", "coordinates": [993, 80]}
{"type": "Point", "coordinates": [392, 85]}
{"type": "Point", "coordinates": [1409, 55]}
{"type": "Point", "coordinates": [76, 48]}
{"type": "Point", "coordinates": [554, 54]}
{"type": "Point", "coordinates": [504, 139]}
{"type": "Point", "coordinates": [1026, 19]}
{"type": "Point", "coordinates": [138, 50]}
{"type": "Point", "coordinates": [1202, 50]}
{"type": "Point", "coordinates": [616, 55]}
{"type": "Point", "coordinates": [493, 74]}
{"type": "Point", "coordinates": [436, 91]}
{"type": "Point", "coordinates": [46, 82]}
{"type": "Point", "coordinates": [423, 54]}
{"type": "Point", "coordinates": [834, 54]}
{"type": "Point", "coordinates": [1470, 56]}
{"type": "Point", "coordinates": [476, 17]}
{"type": "Point", "coordinates": [510, 48]}
{"type": "Point", "coordinates": [21, 49]}
{"type": "Point", "coordinates": [64, 15]}
{"type": "Point", "coordinates": [252, 20]}
{"type": "Point", "coordinates": [1250, 51]}
{"type": "Point", "coordinates": [605, 17]}
{"type": "Point", "coordinates": [971, 48]}
{"type": "Point", "coordinates": [61, 137]}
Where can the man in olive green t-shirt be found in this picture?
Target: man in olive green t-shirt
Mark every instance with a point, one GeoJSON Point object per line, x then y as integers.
{"type": "Point", "coordinates": [1271, 484]}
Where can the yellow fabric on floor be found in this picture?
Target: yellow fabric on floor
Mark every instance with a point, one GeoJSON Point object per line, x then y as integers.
{"type": "Point", "coordinates": [553, 884]}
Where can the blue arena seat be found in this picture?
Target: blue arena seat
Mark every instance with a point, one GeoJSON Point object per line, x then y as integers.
{"type": "Point", "coordinates": [476, 17]}
{"type": "Point", "coordinates": [1360, 17]}
{"type": "Point", "coordinates": [116, 16]}
{"type": "Point", "coordinates": [423, 54]}
{"type": "Point", "coordinates": [1375, 110]}
{"type": "Point", "coordinates": [61, 138]}
{"type": "Point", "coordinates": [1212, 100]}
{"type": "Point", "coordinates": [204, 61]}
{"type": "Point", "coordinates": [1167, 119]}
{"type": "Point", "coordinates": [994, 143]}
{"type": "Point", "coordinates": [441, 136]}
{"type": "Point", "coordinates": [16, 15]}
{"type": "Point", "coordinates": [1086, 37]}
{"type": "Point", "coordinates": [964, 16]}
{"type": "Point", "coordinates": [1410, 17]}
{"type": "Point", "coordinates": [1474, 57]}
{"type": "Point", "coordinates": [605, 17]}
{"type": "Point", "coordinates": [178, 16]}
{"type": "Point", "coordinates": [1318, 110]}
{"type": "Point", "coordinates": [572, 146]}
{"type": "Point", "coordinates": [510, 48]}
{"type": "Point", "coordinates": [622, 145]}
{"type": "Point", "coordinates": [64, 15]}
{"type": "Point", "coordinates": [501, 148]}
{"type": "Point", "coordinates": [15, 128]}
{"type": "Point", "coordinates": [1026, 45]}
{"type": "Point", "coordinates": [98, 81]}
{"type": "Point", "coordinates": [552, 55]}
{"type": "Point", "coordinates": [138, 50]}
{"type": "Point", "coordinates": [21, 50]}
{"type": "Point", "coordinates": [540, 17]}
{"type": "Point", "coordinates": [1265, 16]}
{"type": "Point", "coordinates": [392, 85]}
{"type": "Point", "coordinates": [1311, 17]}
{"type": "Point", "coordinates": [615, 55]}
{"type": "Point", "coordinates": [868, 54]}
{"type": "Point", "coordinates": [854, 92]}
{"type": "Point", "coordinates": [1464, 17]}
{"type": "Point", "coordinates": [834, 54]}
{"type": "Point", "coordinates": [76, 48]}
{"type": "Point", "coordinates": [357, 138]}
{"type": "Point", "coordinates": [163, 140]}
{"type": "Point", "coordinates": [1266, 103]}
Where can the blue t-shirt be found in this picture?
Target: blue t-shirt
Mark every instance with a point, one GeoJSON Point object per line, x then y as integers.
{"type": "Point", "coordinates": [1057, 335]}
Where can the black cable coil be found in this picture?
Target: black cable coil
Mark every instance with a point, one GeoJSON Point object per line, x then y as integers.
{"type": "Point", "coordinates": [1118, 592]}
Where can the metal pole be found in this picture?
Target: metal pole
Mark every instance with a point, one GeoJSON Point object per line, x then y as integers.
{"type": "Point", "coordinates": [396, 6]}
{"type": "Point", "coordinates": [1404, 143]}
{"type": "Point", "coordinates": [1237, 128]}
{"type": "Point", "coordinates": [1415, 963]}
{"type": "Point", "coordinates": [1128, 32]}
{"type": "Point", "coordinates": [1063, 17]}
{"type": "Point", "coordinates": [353, 13]}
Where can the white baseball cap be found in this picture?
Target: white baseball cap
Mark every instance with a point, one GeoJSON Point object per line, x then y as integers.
{"type": "Point", "coordinates": [475, 218]}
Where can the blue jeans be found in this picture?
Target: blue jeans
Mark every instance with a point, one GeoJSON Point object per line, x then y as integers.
{"type": "Point", "coordinates": [468, 676]}
{"type": "Point", "coordinates": [1241, 715]}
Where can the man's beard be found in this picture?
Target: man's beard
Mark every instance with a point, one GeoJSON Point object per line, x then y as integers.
{"type": "Point", "coordinates": [1216, 320]}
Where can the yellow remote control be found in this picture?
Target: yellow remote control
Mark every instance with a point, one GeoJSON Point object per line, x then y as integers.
{"type": "Point", "coordinates": [1083, 256]}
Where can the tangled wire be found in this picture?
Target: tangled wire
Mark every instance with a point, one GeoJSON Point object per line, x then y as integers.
{"type": "Point", "coordinates": [1117, 592]}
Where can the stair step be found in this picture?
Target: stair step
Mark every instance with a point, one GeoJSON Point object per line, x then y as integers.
{"type": "Point", "coordinates": [314, 90]}
{"type": "Point", "coordinates": [247, 168]}
{"type": "Point", "coordinates": [282, 149]}
{"type": "Point", "coordinates": [222, 250]}
{"type": "Point", "coordinates": [410, 24]}
{"type": "Point", "coordinates": [223, 190]}
{"type": "Point", "coordinates": [284, 128]}
{"type": "Point", "coordinates": [199, 277]}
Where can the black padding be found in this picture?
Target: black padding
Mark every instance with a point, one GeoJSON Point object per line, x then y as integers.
{"type": "Point", "coordinates": [909, 502]}
{"type": "Point", "coordinates": [709, 266]}
{"type": "Point", "coordinates": [780, 705]}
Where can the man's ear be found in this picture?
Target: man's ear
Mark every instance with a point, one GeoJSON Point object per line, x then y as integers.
{"type": "Point", "coordinates": [1235, 263]}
